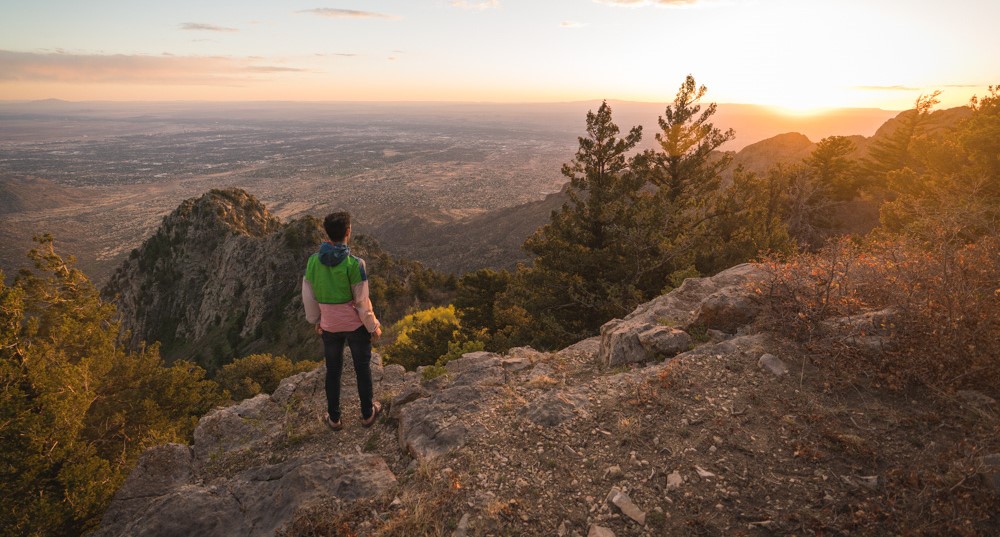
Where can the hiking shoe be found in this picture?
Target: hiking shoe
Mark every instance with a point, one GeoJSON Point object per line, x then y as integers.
{"type": "Point", "coordinates": [333, 425]}
{"type": "Point", "coordinates": [376, 410]}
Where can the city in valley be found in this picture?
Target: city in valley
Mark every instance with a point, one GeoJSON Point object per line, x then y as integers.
{"type": "Point", "coordinates": [100, 176]}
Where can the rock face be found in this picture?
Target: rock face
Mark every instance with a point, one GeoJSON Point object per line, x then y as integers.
{"type": "Point", "coordinates": [555, 443]}
{"type": "Point", "coordinates": [433, 426]}
{"type": "Point", "coordinates": [658, 329]}
{"type": "Point", "coordinates": [256, 502]}
{"type": "Point", "coordinates": [220, 277]}
{"type": "Point", "coordinates": [191, 490]}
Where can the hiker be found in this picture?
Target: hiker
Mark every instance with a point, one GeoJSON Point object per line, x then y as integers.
{"type": "Point", "coordinates": [335, 296]}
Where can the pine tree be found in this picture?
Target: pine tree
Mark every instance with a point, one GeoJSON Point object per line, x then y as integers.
{"type": "Point", "coordinates": [951, 192]}
{"type": "Point", "coordinates": [686, 166]}
{"type": "Point", "coordinates": [896, 152]}
{"type": "Point", "coordinates": [589, 257]}
{"type": "Point", "coordinates": [76, 409]}
{"type": "Point", "coordinates": [834, 169]}
{"type": "Point", "coordinates": [687, 170]}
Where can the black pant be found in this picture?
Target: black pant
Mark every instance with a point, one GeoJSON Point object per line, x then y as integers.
{"type": "Point", "coordinates": [360, 342]}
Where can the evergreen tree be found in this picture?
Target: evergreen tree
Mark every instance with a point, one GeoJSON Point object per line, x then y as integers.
{"type": "Point", "coordinates": [476, 301]}
{"type": "Point", "coordinates": [951, 193]}
{"type": "Point", "coordinates": [751, 220]}
{"type": "Point", "coordinates": [75, 408]}
{"type": "Point", "coordinates": [833, 169]}
{"type": "Point", "coordinates": [896, 151]}
{"type": "Point", "coordinates": [589, 258]}
{"type": "Point", "coordinates": [686, 168]}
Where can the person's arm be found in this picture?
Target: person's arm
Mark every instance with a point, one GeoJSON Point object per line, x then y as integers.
{"type": "Point", "coordinates": [309, 302]}
{"type": "Point", "coordinates": [363, 303]}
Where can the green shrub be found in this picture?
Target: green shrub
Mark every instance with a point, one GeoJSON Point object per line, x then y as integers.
{"type": "Point", "coordinates": [258, 373]}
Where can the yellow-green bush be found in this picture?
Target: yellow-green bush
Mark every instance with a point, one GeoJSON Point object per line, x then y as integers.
{"type": "Point", "coordinates": [258, 373]}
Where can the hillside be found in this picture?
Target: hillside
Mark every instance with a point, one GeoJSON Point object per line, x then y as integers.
{"type": "Point", "coordinates": [494, 238]}
{"type": "Point", "coordinates": [491, 239]}
{"type": "Point", "coordinates": [686, 417]}
{"type": "Point", "coordinates": [221, 278]}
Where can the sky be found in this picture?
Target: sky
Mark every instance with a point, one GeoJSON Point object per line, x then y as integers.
{"type": "Point", "coordinates": [799, 55]}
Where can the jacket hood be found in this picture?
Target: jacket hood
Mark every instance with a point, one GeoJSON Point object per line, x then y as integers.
{"type": "Point", "coordinates": [332, 255]}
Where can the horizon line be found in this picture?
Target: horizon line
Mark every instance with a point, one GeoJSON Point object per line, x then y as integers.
{"type": "Point", "coordinates": [415, 102]}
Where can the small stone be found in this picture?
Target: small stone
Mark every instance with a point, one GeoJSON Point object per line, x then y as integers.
{"type": "Point", "coordinates": [396, 503]}
{"type": "Point", "coordinates": [674, 480]}
{"type": "Point", "coordinates": [600, 531]}
{"type": "Point", "coordinates": [703, 473]}
{"type": "Point", "coordinates": [772, 364]}
{"type": "Point", "coordinates": [561, 530]}
{"type": "Point", "coordinates": [621, 500]}
{"type": "Point", "coordinates": [463, 527]}
{"type": "Point", "coordinates": [613, 472]}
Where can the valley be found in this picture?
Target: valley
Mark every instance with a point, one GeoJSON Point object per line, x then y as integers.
{"type": "Point", "coordinates": [100, 177]}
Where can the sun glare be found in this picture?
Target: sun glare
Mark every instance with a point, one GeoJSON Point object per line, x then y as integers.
{"type": "Point", "coordinates": [800, 110]}
{"type": "Point", "coordinates": [808, 101]}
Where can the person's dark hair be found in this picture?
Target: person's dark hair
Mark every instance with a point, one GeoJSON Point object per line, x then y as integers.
{"type": "Point", "coordinates": [336, 225]}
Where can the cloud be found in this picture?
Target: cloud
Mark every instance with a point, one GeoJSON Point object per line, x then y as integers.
{"type": "Point", "coordinates": [481, 5]}
{"type": "Point", "coordinates": [134, 69]}
{"type": "Point", "coordinates": [572, 24]}
{"type": "Point", "coordinates": [347, 13]}
{"type": "Point", "coordinates": [200, 27]}
{"type": "Point", "coordinates": [637, 3]}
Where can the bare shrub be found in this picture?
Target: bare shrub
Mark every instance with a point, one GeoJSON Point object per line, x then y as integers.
{"type": "Point", "coordinates": [944, 326]}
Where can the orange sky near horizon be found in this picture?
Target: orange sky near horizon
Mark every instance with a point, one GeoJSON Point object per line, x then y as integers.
{"type": "Point", "coordinates": [799, 56]}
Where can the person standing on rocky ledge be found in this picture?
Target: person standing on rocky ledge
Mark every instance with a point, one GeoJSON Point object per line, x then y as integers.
{"type": "Point", "coordinates": [335, 296]}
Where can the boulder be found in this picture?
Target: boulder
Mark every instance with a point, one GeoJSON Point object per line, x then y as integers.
{"type": "Point", "coordinates": [476, 368]}
{"type": "Point", "coordinates": [723, 302]}
{"type": "Point", "coordinates": [436, 425]}
{"type": "Point", "coordinates": [870, 331]}
{"type": "Point", "coordinates": [727, 309]}
{"type": "Point", "coordinates": [409, 394]}
{"type": "Point", "coordinates": [184, 510]}
{"type": "Point", "coordinates": [303, 385]}
{"type": "Point", "coordinates": [585, 349]}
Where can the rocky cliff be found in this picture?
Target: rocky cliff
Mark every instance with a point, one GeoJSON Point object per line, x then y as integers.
{"type": "Point", "coordinates": [220, 277]}
{"type": "Point", "coordinates": [680, 419]}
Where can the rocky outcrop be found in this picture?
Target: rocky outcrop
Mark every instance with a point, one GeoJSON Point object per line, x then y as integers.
{"type": "Point", "coordinates": [660, 328]}
{"type": "Point", "coordinates": [433, 426]}
{"type": "Point", "coordinates": [555, 443]}
{"type": "Point", "coordinates": [240, 477]}
{"type": "Point", "coordinates": [219, 278]}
